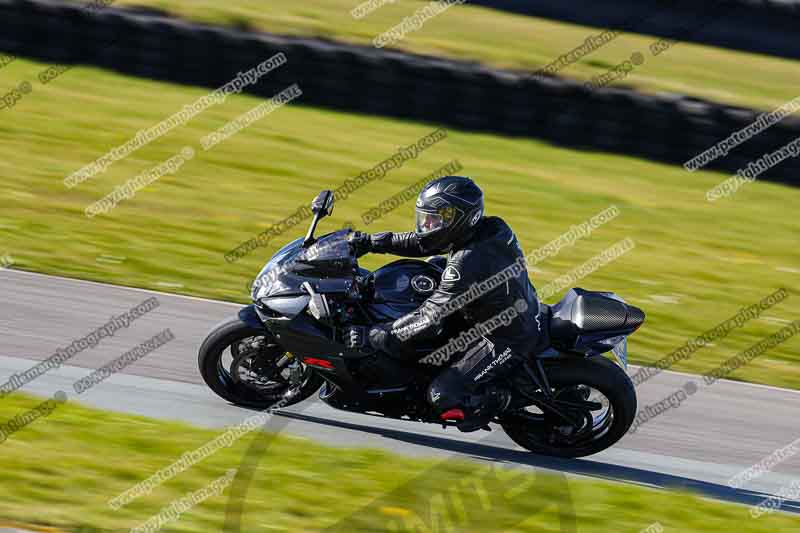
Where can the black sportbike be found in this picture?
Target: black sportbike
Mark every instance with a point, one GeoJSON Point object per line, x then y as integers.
{"type": "Point", "coordinates": [568, 401]}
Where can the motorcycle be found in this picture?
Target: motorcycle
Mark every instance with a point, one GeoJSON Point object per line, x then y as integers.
{"type": "Point", "coordinates": [568, 400]}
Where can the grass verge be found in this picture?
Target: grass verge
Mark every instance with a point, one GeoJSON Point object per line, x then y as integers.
{"type": "Point", "coordinates": [695, 263]}
{"type": "Point", "coordinates": [63, 469]}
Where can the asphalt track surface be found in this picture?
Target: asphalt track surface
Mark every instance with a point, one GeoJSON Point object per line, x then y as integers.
{"type": "Point", "coordinates": [718, 432]}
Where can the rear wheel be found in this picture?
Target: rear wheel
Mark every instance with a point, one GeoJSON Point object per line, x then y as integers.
{"type": "Point", "coordinates": [597, 396]}
{"type": "Point", "coordinates": [245, 366]}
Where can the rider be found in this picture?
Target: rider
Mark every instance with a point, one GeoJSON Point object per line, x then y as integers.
{"type": "Point", "coordinates": [450, 219]}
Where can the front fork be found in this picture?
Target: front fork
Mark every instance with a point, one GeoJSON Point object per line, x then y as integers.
{"type": "Point", "coordinates": [249, 315]}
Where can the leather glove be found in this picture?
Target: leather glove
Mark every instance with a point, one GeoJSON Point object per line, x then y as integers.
{"type": "Point", "coordinates": [361, 242]}
{"type": "Point", "coordinates": [358, 337]}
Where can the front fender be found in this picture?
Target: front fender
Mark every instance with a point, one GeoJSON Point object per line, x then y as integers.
{"type": "Point", "coordinates": [249, 316]}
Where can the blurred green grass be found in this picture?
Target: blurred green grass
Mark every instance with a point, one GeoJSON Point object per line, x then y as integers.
{"type": "Point", "coordinates": [695, 264]}
{"type": "Point", "coordinates": [63, 469]}
{"type": "Point", "coordinates": [514, 41]}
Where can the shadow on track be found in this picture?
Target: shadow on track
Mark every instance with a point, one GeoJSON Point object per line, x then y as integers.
{"type": "Point", "coordinates": [586, 467]}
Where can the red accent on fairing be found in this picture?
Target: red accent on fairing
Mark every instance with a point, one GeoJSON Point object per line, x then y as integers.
{"type": "Point", "coordinates": [453, 414]}
{"type": "Point", "coordinates": [313, 361]}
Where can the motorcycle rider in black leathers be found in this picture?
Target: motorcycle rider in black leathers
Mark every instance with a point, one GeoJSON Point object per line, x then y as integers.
{"type": "Point", "coordinates": [450, 218]}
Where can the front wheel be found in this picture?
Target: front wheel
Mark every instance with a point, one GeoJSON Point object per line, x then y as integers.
{"type": "Point", "coordinates": [596, 394]}
{"type": "Point", "coordinates": [245, 366]}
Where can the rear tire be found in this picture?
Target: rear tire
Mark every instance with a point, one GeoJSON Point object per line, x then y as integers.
{"type": "Point", "coordinates": [208, 359]}
{"type": "Point", "coordinates": [598, 373]}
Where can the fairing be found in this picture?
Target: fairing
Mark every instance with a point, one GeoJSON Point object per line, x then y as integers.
{"type": "Point", "coordinates": [284, 274]}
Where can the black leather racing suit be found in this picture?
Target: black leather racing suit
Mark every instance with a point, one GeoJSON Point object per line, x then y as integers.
{"type": "Point", "coordinates": [483, 258]}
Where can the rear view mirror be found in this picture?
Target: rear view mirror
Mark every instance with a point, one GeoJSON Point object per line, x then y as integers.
{"type": "Point", "coordinates": [323, 204]}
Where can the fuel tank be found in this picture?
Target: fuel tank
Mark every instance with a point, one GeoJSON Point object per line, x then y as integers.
{"type": "Point", "coordinates": [400, 287]}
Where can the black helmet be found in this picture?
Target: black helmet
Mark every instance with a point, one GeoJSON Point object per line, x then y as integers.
{"type": "Point", "coordinates": [448, 210]}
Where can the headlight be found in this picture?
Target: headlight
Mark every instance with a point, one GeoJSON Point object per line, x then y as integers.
{"type": "Point", "coordinates": [260, 287]}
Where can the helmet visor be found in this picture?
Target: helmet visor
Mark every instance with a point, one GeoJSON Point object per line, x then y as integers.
{"type": "Point", "coordinates": [428, 222]}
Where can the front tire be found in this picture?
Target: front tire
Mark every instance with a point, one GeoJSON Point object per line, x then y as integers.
{"type": "Point", "coordinates": [598, 374]}
{"type": "Point", "coordinates": [228, 335]}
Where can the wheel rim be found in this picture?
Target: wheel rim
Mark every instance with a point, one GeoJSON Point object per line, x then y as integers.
{"type": "Point", "coordinates": [551, 430]}
{"type": "Point", "coordinates": [261, 366]}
